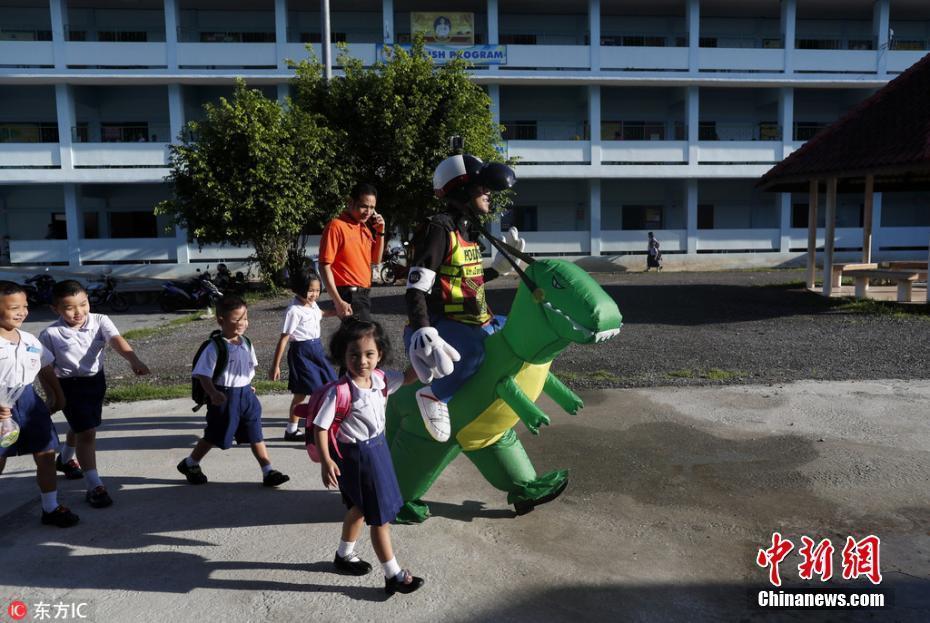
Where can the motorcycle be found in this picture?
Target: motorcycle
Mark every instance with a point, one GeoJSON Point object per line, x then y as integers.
{"type": "Point", "coordinates": [196, 293]}
{"type": "Point", "coordinates": [39, 288]}
{"type": "Point", "coordinates": [227, 282]}
{"type": "Point", "coordinates": [392, 268]}
{"type": "Point", "coordinates": [103, 292]}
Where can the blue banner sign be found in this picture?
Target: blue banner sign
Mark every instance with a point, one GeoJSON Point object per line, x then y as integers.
{"type": "Point", "coordinates": [474, 54]}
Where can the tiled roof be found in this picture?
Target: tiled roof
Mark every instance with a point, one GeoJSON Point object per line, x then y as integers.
{"type": "Point", "coordinates": [888, 132]}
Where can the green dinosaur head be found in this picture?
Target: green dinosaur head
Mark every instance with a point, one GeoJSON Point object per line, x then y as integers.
{"type": "Point", "coordinates": [573, 308]}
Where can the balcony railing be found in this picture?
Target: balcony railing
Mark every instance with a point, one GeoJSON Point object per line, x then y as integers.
{"type": "Point", "coordinates": [723, 131]}
{"type": "Point", "coordinates": [123, 133]}
{"type": "Point", "coordinates": [203, 35]}
{"type": "Point", "coordinates": [643, 131]}
{"type": "Point", "coordinates": [135, 35]}
{"type": "Point", "coordinates": [545, 131]}
{"type": "Point", "coordinates": [10, 32]}
{"type": "Point", "coordinates": [29, 132]}
{"type": "Point", "coordinates": [645, 40]}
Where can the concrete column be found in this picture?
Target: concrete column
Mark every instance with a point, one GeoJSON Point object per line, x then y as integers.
{"type": "Point", "coordinates": [72, 223]}
{"type": "Point", "coordinates": [594, 33]}
{"type": "Point", "coordinates": [172, 23]}
{"type": "Point", "coordinates": [387, 15]}
{"type": "Point", "coordinates": [813, 196]}
{"type": "Point", "coordinates": [594, 122]}
{"type": "Point", "coordinates": [830, 241]}
{"type": "Point", "coordinates": [881, 26]}
{"type": "Point", "coordinates": [594, 215]}
{"type": "Point", "coordinates": [693, 120]}
{"type": "Point", "coordinates": [64, 106]}
{"type": "Point", "coordinates": [691, 207]}
{"type": "Point", "coordinates": [176, 111]}
{"type": "Point", "coordinates": [877, 217]}
{"type": "Point", "coordinates": [183, 250]}
{"type": "Point", "coordinates": [786, 118]}
{"type": "Point", "coordinates": [784, 211]}
{"type": "Point", "coordinates": [694, 35]}
{"type": "Point", "coordinates": [789, 29]}
{"type": "Point", "coordinates": [59, 15]}
{"type": "Point", "coordinates": [493, 22]}
{"type": "Point", "coordinates": [867, 214]}
{"type": "Point", "coordinates": [280, 32]}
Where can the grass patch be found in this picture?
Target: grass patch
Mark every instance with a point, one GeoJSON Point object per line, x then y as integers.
{"type": "Point", "coordinates": [603, 376]}
{"type": "Point", "coordinates": [681, 374]}
{"type": "Point", "coordinates": [147, 332]}
{"type": "Point", "coordinates": [890, 309]}
{"type": "Point", "coordinates": [147, 391]}
{"type": "Point", "coordinates": [714, 374]}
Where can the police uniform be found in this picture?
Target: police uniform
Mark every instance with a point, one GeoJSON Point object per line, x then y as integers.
{"type": "Point", "coordinates": [20, 363]}
{"type": "Point", "coordinates": [78, 354]}
{"type": "Point", "coordinates": [240, 417]}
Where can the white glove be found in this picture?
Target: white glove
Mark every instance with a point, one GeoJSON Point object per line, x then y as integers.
{"type": "Point", "coordinates": [500, 263]}
{"type": "Point", "coordinates": [430, 355]}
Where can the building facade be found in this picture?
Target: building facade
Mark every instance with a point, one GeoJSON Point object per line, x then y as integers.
{"type": "Point", "coordinates": [626, 116]}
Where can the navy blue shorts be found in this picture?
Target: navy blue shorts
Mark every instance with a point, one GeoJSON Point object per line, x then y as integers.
{"type": "Point", "coordinates": [308, 368]}
{"type": "Point", "coordinates": [84, 400]}
{"type": "Point", "coordinates": [367, 480]}
{"type": "Point", "coordinates": [239, 418]}
{"type": "Point", "coordinates": [36, 431]}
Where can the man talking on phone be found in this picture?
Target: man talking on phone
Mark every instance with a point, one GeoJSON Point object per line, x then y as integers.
{"type": "Point", "coordinates": [351, 243]}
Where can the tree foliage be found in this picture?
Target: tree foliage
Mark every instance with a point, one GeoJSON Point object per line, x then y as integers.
{"type": "Point", "coordinates": [252, 173]}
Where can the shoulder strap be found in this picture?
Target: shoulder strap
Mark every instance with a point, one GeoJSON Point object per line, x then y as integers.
{"type": "Point", "coordinates": [222, 355]}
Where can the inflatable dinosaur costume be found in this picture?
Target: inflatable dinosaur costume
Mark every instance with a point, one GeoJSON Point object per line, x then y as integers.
{"type": "Point", "coordinates": [568, 306]}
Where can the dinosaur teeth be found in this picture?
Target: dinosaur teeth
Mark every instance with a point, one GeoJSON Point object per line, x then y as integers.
{"type": "Point", "coordinates": [575, 325]}
{"type": "Point", "coordinates": [603, 336]}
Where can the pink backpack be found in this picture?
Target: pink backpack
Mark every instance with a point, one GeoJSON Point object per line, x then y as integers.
{"type": "Point", "coordinates": [343, 407]}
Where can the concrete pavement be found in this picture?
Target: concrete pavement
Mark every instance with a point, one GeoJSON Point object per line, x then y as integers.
{"type": "Point", "coordinates": [672, 493]}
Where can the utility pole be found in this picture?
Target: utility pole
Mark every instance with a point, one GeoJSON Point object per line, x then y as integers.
{"type": "Point", "coordinates": [325, 41]}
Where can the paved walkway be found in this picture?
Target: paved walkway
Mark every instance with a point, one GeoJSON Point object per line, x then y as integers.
{"type": "Point", "coordinates": [673, 491]}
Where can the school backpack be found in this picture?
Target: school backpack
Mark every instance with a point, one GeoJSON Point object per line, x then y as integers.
{"type": "Point", "coordinates": [343, 407]}
{"type": "Point", "coordinates": [198, 394]}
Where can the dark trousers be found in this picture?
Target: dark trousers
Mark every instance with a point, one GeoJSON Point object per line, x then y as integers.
{"type": "Point", "coordinates": [359, 299]}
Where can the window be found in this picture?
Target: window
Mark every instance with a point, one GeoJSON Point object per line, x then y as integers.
{"type": "Point", "coordinates": [818, 44]}
{"type": "Point", "coordinates": [638, 41]}
{"type": "Point", "coordinates": [769, 131]}
{"type": "Point", "coordinates": [805, 131]}
{"type": "Point", "coordinates": [521, 217]}
{"type": "Point", "coordinates": [519, 130]}
{"type": "Point", "coordinates": [315, 37]}
{"type": "Point", "coordinates": [642, 217]}
{"type": "Point", "coordinates": [124, 132]}
{"type": "Point", "coordinates": [705, 216]}
{"type": "Point", "coordinates": [29, 132]}
{"type": "Point", "coordinates": [707, 131]}
{"type": "Point", "coordinates": [57, 227]}
{"type": "Point", "coordinates": [91, 224]}
{"type": "Point", "coordinates": [799, 215]}
{"type": "Point", "coordinates": [113, 35]}
{"type": "Point", "coordinates": [133, 225]}
{"type": "Point", "coordinates": [708, 42]}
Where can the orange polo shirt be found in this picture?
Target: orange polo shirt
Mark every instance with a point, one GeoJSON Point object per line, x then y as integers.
{"type": "Point", "coordinates": [349, 249]}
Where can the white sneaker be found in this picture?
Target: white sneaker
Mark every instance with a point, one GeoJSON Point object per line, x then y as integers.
{"type": "Point", "coordinates": [435, 415]}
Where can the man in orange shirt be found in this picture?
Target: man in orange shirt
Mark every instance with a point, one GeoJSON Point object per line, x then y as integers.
{"type": "Point", "coordinates": [351, 243]}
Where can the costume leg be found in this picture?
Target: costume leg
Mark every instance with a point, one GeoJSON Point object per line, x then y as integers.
{"type": "Point", "coordinates": [507, 467]}
{"type": "Point", "coordinates": [418, 461]}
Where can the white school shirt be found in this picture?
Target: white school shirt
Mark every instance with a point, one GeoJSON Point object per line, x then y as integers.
{"type": "Point", "coordinates": [366, 418]}
{"type": "Point", "coordinates": [302, 322]}
{"type": "Point", "coordinates": [239, 371]}
{"type": "Point", "coordinates": [78, 351]}
{"type": "Point", "coordinates": [20, 363]}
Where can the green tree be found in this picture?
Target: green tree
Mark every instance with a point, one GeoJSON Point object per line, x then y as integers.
{"type": "Point", "coordinates": [393, 122]}
{"type": "Point", "coordinates": [253, 173]}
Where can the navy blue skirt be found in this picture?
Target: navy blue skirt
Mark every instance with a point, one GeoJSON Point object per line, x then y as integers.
{"type": "Point", "coordinates": [367, 480]}
{"type": "Point", "coordinates": [36, 431]}
{"type": "Point", "coordinates": [84, 400]}
{"type": "Point", "coordinates": [308, 368]}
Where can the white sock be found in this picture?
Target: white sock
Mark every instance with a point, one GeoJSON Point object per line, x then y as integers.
{"type": "Point", "coordinates": [266, 469]}
{"type": "Point", "coordinates": [67, 453]}
{"type": "Point", "coordinates": [391, 568]}
{"type": "Point", "coordinates": [92, 479]}
{"type": "Point", "coordinates": [292, 427]}
{"type": "Point", "coordinates": [190, 462]}
{"type": "Point", "coordinates": [50, 501]}
{"type": "Point", "coordinates": [346, 550]}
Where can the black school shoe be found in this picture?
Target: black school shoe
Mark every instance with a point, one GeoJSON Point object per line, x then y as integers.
{"type": "Point", "coordinates": [194, 474]}
{"type": "Point", "coordinates": [61, 517]}
{"type": "Point", "coordinates": [98, 497]}
{"type": "Point", "coordinates": [275, 478]}
{"type": "Point", "coordinates": [295, 436]}
{"type": "Point", "coordinates": [407, 584]}
{"type": "Point", "coordinates": [71, 469]}
{"type": "Point", "coordinates": [351, 567]}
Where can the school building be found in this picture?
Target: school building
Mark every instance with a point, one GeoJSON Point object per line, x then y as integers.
{"type": "Point", "coordinates": [627, 116]}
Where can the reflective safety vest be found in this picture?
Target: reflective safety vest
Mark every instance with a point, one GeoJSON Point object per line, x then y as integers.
{"type": "Point", "coordinates": [462, 278]}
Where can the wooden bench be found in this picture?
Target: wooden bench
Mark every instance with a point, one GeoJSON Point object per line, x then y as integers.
{"type": "Point", "coordinates": [904, 279]}
{"type": "Point", "coordinates": [836, 276]}
{"type": "Point", "coordinates": [920, 266]}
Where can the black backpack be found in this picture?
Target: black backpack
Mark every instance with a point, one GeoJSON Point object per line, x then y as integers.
{"type": "Point", "coordinates": [198, 394]}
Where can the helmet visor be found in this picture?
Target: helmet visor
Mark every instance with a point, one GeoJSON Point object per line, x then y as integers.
{"type": "Point", "coordinates": [496, 176]}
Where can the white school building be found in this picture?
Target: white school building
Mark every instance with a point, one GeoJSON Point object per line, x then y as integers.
{"type": "Point", "coordinates": [626, 116]}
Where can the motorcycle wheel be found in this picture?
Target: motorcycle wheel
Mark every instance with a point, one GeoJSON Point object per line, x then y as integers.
{"type": "Point", "coordinates": [388, 275]}
{"type": "Point", "coordinates": [118, 302]}
{"type": "Point", "coordinates": [167, 303]}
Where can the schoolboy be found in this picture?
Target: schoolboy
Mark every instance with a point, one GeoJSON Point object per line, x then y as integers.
{"type": "Point", "coordinates": [233, 411]}
{"type": "Point", "coordinates": [22, 359]}
{"type": "Point", "coordinates": [77, 341]}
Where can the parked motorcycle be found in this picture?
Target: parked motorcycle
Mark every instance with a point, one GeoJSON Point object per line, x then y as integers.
{"type": "Point", "coordinates": [392, 268]}
{"type": "Point", "coordinates": [103, 292]}
{"type": "Point", "coordinates": [195, 293]}
{"type": "Point", "coordinates": [228, 282]}
{"type": "Point", "coordinates": [39, 288]}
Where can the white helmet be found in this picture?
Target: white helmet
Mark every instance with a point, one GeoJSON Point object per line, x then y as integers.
{"type": "Point", "coordinates": [456, 173]}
